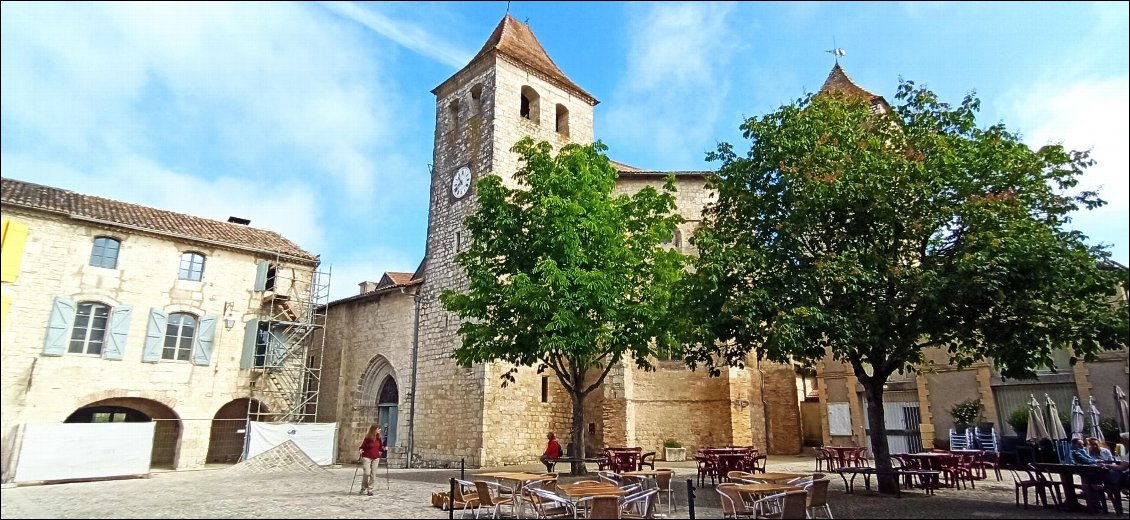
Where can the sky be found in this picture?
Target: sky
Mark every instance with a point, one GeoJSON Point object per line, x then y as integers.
{"type": "Point", "coordinates": [316, 119]}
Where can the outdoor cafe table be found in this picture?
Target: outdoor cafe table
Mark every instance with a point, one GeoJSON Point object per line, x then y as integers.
{"type": "Point", "coordinates": [576, 491]}
{"type": "Point", "coordinates": [521, 479]}
{"type": "Point", "coordinates": [842, 453]}
{"type": "Point", "coordinates": [778, 477]}
{"type": "Point", "coordinates": [764, 489]}
{"type": "Point", "coordinates": [1090, 475]}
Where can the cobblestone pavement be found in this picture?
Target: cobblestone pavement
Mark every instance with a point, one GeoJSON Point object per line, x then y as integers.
{"type": "Point", "coordinates": [325, 494]}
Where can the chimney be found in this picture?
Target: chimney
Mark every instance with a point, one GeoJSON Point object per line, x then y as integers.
{"type": "Point", "coordinates": [368, 287]}
{"type": "Point", "coordinates": [240, 221]}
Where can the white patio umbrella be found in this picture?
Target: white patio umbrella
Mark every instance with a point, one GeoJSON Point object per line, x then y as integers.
{"type": "Point", "coordinates": [1036, 429]}
{"type": "Point", "coordinates": [1076, 419]}
{"type": "Point", "coordinates": [1055, 429]}
{"type": "Point", "coordinates": [1096, 432]}
{"type": "Point", "coordinates": [1123, 406]}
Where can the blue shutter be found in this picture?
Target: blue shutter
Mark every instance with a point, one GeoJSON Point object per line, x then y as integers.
{"type": "Point", "coordinates": [203, 342]}
{"type": "Point", "coordinates": [261, 276]}
{"type": "Point", "coordinates": [250, 334]}
{"type": "Point", "coordinates": [115, 345]}
{"type": "Point", "coordinates": [155, 336]}
{"type": "Point", "coordinates": [59, 327]}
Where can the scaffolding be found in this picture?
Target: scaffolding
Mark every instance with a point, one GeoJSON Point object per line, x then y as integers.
{"type": "Point", "coordinates": [288, 338]}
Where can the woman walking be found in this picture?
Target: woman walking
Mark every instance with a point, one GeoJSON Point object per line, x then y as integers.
{"type": "Point", "coordinates": [370, 449]}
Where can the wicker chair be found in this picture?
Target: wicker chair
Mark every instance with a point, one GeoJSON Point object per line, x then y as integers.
{"type": "Point", "coordinates": [489, 497]}
{"type": "Point", "coordinates": [733, 505]}
{"type": "Point", "coordinates": [818, 497]}
{"type": "Point", "coordinates": [792, 505]}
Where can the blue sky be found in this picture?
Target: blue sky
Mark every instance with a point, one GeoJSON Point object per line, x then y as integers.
{"type": "Point", "coordinates": [316, 119]}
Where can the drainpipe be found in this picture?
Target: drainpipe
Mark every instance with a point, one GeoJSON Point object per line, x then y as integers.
{"type": "Point", "coordinates": [412, 406]}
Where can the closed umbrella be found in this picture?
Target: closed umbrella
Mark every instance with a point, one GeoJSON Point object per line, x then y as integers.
{"type": "Point", "coordinates": [1055, 427]}
{"type": "Point", "coordinates": [1096, 432]}
{"type": "Point", "coordinates": [1036, 429]}
{"type": "Point", "coordinates": [1076, 419]}
{"type": "Point", "coordinates": [1123, 406]}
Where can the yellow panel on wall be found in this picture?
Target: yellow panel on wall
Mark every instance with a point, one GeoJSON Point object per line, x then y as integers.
{"type": "Point", "coordinates": [15, 236]}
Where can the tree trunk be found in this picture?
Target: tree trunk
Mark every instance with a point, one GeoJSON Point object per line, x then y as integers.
{"type": "Point", "coordinates": [577, 440]}
{"type": "Point", "coordinates": [873, 389]}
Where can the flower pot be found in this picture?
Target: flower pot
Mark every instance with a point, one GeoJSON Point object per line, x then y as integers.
{"type": "Point", "coordinates": [674, 454]}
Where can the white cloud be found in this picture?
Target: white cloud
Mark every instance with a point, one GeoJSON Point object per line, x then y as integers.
{"type": "Point", "coordinates": [676, 82]}
{"type": "Point", "coordinates": [406, 34]}
{"type": "Point", "coordinates": [1086, 114]}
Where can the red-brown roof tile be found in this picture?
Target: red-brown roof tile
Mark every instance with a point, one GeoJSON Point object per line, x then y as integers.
{"type": "Point", "coordinates": [88, 207]}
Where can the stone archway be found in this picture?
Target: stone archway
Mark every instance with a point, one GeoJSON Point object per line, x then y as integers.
{"type": "Point", "coordinates": [226, 441]}
{"type": "Point", "coordinates": [379, 399]}
{"type": "Point", "coordinates": [166, 433]}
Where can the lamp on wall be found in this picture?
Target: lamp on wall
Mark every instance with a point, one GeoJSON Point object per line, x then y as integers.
{"type": "Point", "coordinates": [741, 403]}
{"type": "Point", "coordinates": [229, 320]}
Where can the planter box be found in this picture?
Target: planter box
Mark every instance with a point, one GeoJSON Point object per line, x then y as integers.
{"type": "Point", "coordinates": [674, 454]}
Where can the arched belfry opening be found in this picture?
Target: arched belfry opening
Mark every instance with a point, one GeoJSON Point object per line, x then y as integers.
{"type": "Point", "coordinates": [528, 108]}
{"type": "Point", "coordinates": [562, 120]}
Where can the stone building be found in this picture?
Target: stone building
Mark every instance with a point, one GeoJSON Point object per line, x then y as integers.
{"type": "Point", "coordinates": [400, 335]}
{"type": "Point", "coordinates": [115, 312]}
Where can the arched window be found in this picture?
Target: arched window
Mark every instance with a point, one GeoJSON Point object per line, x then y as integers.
{"type": "Point", "coordinates": [477, 99]}
{"type": "Point", "coordinates": [89, 330]}
{"type": "Point", "coordinates": [179, 332]}
{"type": "Point", "coordinates": [191, 266]}
{"type": "Point", "coordinates": [529, 105]}
{"type": "Point", "coordinates": [105, 252]}
{"type": "Point", "coordinates": [562, 120]}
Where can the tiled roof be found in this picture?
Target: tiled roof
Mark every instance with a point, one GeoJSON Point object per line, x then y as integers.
{"type": "Point", "coordinates": [838, 81]}
{"type": "Point", "coordinates": [630, 171]}
{"type": "Point", "coordinates": [515, 40]}
{"type": "Point", "coordinates": [391, 279]}
{"type": "Point", "coordinates": [158, 221]}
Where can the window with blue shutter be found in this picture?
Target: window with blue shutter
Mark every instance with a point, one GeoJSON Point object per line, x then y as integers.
{"type": "Point", "coordinates": [250, 340]}
{"type": "Point", "coordinates": [115, 345]}
{"type": "Point", "coordinates": [59, 327]}
{"type": "Point", "coordinates": [155, 336]}
{"type": "Point", "coordinates": [205, 339]}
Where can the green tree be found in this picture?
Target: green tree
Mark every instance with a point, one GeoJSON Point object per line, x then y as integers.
{"type": "Point", "coordinates": [872, 234]}
{"type": "Point", "coordinates": [565, 276]}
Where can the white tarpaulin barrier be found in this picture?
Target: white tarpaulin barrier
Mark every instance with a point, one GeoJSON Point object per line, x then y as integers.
{"type": "Point", "coordinates": [84, 450]}
{"type": "Point", "coordinates": [317, 440]}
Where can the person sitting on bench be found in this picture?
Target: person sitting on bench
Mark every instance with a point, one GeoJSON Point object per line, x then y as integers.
{"type": "Point", "coordinates": [552, 452]}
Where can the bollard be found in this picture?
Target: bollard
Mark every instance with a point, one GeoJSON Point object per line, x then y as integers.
{"type": "Point", "coordinates": [451, 501]}
{"type": "Point", "coordinates": [690, 498]}
{"type": "Point", "coordinates": [462, 474]}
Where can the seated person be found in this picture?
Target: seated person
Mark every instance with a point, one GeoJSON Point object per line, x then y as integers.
{"type": "Point", "coordinates": [1079, 453]}
{"type": "Point", "coordinates": [552, 452]}
{"type": "Point", "coordinates": [1118, 472]}
{"type": "Point", "coordinates": [1098, 451]}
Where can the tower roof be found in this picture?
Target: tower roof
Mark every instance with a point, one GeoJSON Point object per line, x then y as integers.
{"type": "Point", "coordinates": [515, 40]}
{"type": "Point", "coordinates": [838, 81]}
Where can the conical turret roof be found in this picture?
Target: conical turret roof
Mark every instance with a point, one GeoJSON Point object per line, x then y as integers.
{"type": "Point", "coordinates": [515, 40]}
{"type": "Point", "coordinates": [838, 81]}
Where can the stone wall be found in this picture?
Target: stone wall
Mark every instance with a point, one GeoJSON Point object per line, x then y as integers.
{"type": "Point", "coordinates": [39, 388]}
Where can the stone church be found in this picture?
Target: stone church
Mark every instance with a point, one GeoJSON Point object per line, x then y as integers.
{"type": "Point", "coordinates": [388, 349]}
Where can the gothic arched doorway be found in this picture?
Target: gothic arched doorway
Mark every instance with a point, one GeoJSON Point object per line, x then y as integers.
{"type": "Point", "coordinates": [379, 400]}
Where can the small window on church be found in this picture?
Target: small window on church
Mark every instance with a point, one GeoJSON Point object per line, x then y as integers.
{"type": "Point", "coordinates": [545, 389]}
{"type": "Point", "coordinates": [477, 98]}
{"type": "Point", "coordinates": [563, 120]}
{"type": "Point", "coordinates": [529, 106]}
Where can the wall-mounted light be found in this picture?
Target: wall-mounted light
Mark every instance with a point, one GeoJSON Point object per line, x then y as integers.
{"type": "Point", "coordinates": [741, 403]}
{"type": "Point", "coordinates": [229, 319]}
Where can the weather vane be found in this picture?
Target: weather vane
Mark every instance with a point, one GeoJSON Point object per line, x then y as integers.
{"type": "Point", "coordinates": [836, 51]}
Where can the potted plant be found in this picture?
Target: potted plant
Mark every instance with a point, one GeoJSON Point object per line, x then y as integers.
{"type": "Point", "coordinates": [966, 413]}
{"type": "Point", "coordinates": [1018, 420]}
{"type": "Point", "coordinates": [673, 451]}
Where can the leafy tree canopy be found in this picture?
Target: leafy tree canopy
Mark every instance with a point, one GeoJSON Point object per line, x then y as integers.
{"type": "Point", "coordinates": [878, 233]}
{"type": "Point", "coordinates": [563, 274]}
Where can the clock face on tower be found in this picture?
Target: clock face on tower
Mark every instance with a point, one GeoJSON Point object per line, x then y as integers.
{"type": "Point", "coordinates": [461, 182]}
